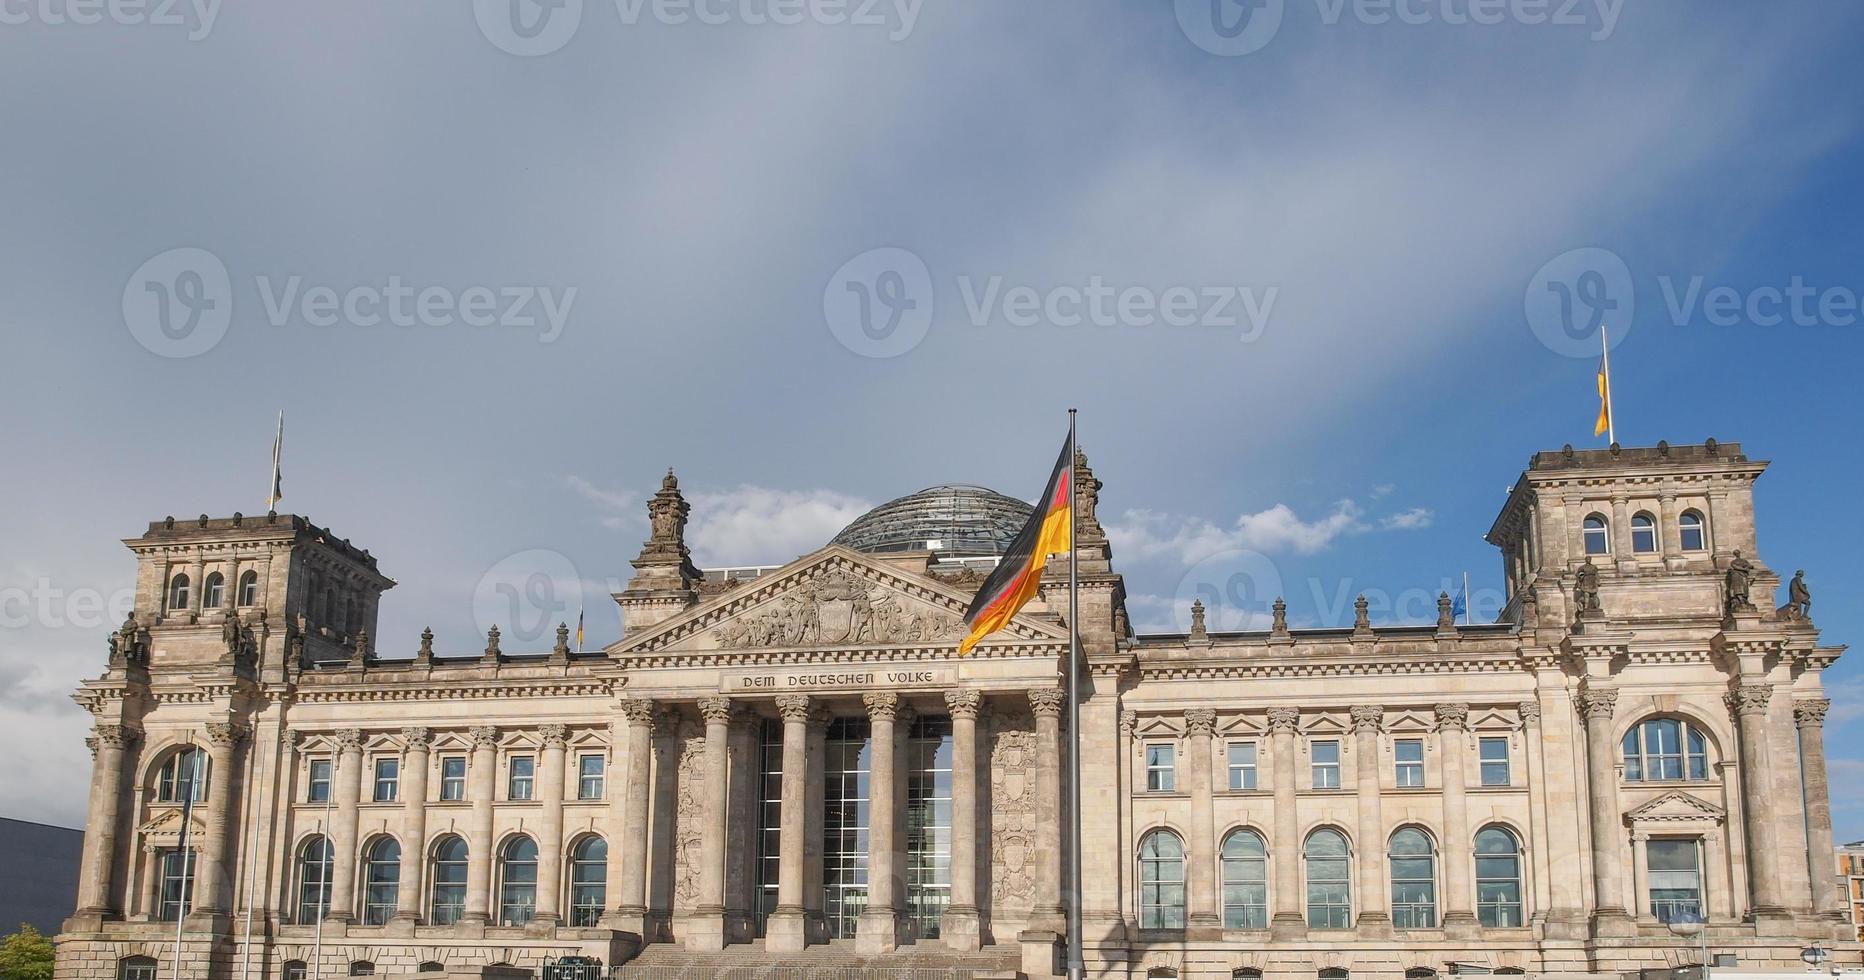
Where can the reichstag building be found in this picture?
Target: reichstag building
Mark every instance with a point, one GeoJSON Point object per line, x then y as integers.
{"type": "Point", "coordinates": [792, 766]}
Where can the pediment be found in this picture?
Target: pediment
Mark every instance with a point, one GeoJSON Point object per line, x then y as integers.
{"type": "Point", "coordinates": [1676, 806]}
{"type": "Point", "coordinates": [836, 598]}
{"type": "Point", "coordinates": [166, 825]}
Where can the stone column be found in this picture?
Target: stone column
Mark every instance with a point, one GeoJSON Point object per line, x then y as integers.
{"type": "Point", "coordinates": [1285, 854]}
{"type": "Point", "coordinates": [961, 926]}
{"type": "Point", "coordinates": [786, 931]}
{"type": "Point", "coordinates": [1749, 703]}
{"type": "Point", "coordinates": [1129, 847]}
{"type": "Point", "coordinates": [815, 807]}
{"type": "Point", "coordinates": [1456, 850]}
{"type": "Point", "coordinates": [1597, 704]}
{"type": "Point", "coordinates": [96, 874]}
{"type": "Point", "coordinates": [705, 930]}
{"type": "Point", "coordinates": [878, 928]}
{"type": "Point", "coordinates": [1201, 868]}
{"type": "Point", "coordinates": [549, 792]}
{"type": "Point", "coordinates": [631, 903]}
{"type": "Point", "coordinates": [348, 792]}
{"type": "Point", "coordinates": [1531, 737]}
{"type": "Point", "coordinates": [1640, 875]}
{"type": "Point", "coordinates": [414, 766]}
{"type": "Point", "coordinates": [1048, 914]}
{"type": "Point", "coordinates": [214, 877]}
{"type": "Point", "coordinates": [1374, 918]}
{"type": "Point", "coordinates": [1809, 715]}
{"type": "Point", "coordinates": [481, 786]}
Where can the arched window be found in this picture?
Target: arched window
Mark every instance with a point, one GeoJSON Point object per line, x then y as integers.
{"type": "Point", "coordinates": [1643, 533]}
{"type": "Point", "coordinates": [178, 592]}
{"type": "Point", "coordinates": [1161, 881]}
{"type": "Point", "coordinates": [249, 588]}
{"type": "Point", "coordinates": [213, 591]}
{"type": "Point", "coordinates": [1245, 881]}
{"type": "Point", "coordinates": [136, 968]}
{"type": "Point", "coordinates": [449, 878]}
{"type": "Point", "coordinates": [1498, 878]}
{"type": "Point", "coordinates": [314, 862]}
{"type": "Point", "coordinates": [588, 880]}
{"type": "Point", "coordinates": [517, 882]}
{"type": "Point", "coordinates": [362, 968]}
{"type": "Point", "coordinates": [1689, 534]}
{"type": "Point", "coordinates": [1329, 880]}
{"type": "Point", "coordinates": [1665, 749]}
{"type": "Point", "coordinates": [185, 772]}
{"type": "Point", "coordinates": [1414, 880]}
{"type": "Point", "coordinates": [381, 886]}
{"type": "Point", "coordinates": [293, 970]}
{"type": "Point", "coordinates": [1598, 535]}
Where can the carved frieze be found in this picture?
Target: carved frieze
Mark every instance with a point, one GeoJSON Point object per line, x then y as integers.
{"type": "Point", "coordinates": [837, 608]}
{"type": "Point", "coordinates": [1013, 764]}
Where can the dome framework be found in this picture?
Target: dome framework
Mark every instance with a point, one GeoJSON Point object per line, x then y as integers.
{"type": "Point", "coordinates": [953, 519]}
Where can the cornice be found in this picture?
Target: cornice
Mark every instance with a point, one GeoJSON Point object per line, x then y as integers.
{"type": "Point", "coordinates": [1309, 667]}
{"type": "Point", "coordinates": [460, 691]}
{"type": "Point", "coordinates": [1046, 650]}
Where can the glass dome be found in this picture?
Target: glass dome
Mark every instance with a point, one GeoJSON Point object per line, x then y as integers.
{"type": "Point", "coordinates": [952, 519]}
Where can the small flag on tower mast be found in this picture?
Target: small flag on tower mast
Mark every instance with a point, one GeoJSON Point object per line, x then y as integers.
{"type": "Point", "coordinates": [278, 445]}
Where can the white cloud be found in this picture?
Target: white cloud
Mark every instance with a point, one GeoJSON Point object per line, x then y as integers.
{"type": "Point", "coordinates": [1417, 518]}
{"type": "Point", "coordinates": [1145, 534]}
{"type": "Point", "coordinates": [1166, 614]}
{"type": "Point", "coordinates": [746, 525]}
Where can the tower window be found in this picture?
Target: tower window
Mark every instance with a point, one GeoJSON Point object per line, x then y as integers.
{"type": "Point", "coordinates": [178, 592]}
{"type": "Point", "coordinates": [214, 591]}
{"type": "Point", "coordinates": [1643, 533]}
{"type": "Point", "coordinates": [249, 588]}
{"type": "Point", "coordinates": [1598, 535]}
{"type": "Point", "coordinates": [1689, 531]}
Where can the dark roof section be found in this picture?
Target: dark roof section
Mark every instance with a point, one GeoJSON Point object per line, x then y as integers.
{"type": "Point", "coordinates": [963, 520]}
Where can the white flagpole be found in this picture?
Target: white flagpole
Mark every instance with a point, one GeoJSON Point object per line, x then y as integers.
{"type": "Point", "coordinates": [184, 891]}
{"type": "Point", "coordinates": [1076, 961]}
{"type": "Point", "coordinates": [1611, 427]}
{"type": "Point", "coordinates": [252, 849]}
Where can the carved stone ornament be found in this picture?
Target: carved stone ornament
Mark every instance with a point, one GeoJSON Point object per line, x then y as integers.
{"type": "Point", "coordinates": [1750, 699]}
{"type": "Point", "coordinates": [1280, 613]}
{"type": "Point", "coordinates": [1799, 598]}
{"type": "Point", "coordinates": [1740, 584]}
{"type": "Point", "coordinates": [115, 736]}
{"type": "Point", "coordinates": [1129, 720]}
{"type": "Point", "coordinates": [837, 608]}
{"type": "Point", "coordinates": [484, 736]}
{"type": "Point", "coordinates": [1810, 713]}
{"type": "Point", "coordinates": [1013, 765]}
{"type": "Point", "coordinates": [349, 739]}
{"type": "Point", "coordinates": [1530, 713]}
{"type": "Point", "coordinates": [716, 710]}
{"type": "Point", "coordinates": [689, 841]}
{"type": "Point", "coordinates": [793, 707]}
{"type": "Point", "coordinates": [1586, 589]}
{"type": "Point", "coordinates": [226, 734]}
{"type": "Point", "coordinates": [881, 705]}
{"type": "Point", "coordinates": [1200, 721]}
{"type": "Point", "coordinates": [1198, 631]}
{"type": "Point", "coordinates": [639, 711]}
{"type": "Point", "coordinates": [1446, 616]}
{"type": "Point", "coordinates": [1368, 718]}
{"type": "Point", "coordinates": [1597, 702]}
{"type": "Point", "coordinates": [554, 735]}
{"type": "Point", "coordinates": [962, 703]}
{"type": "Point", "coordinates": [1362, 615]}
{"type": "Point", "coordinates": [1284, 719]}
{"type": "Point", "coordinates": [1047, 702]}
{"type": "Point", "coordinates": [1453, 715]}
{"type": "Point", "coordinates": [416, 737]}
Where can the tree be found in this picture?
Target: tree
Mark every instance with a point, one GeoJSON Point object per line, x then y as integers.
{"type": "Point", "coordinates": [26, 955]}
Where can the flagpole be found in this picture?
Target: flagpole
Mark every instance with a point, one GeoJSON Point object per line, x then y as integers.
{"type": "Point", "coordinates": [1466, 602]}
{"type": "Point", "coordinates": [184, 892]}
{"type": "Point", "coordinates": [1076, 961]}
{"type": "Point", "coordinates": [1611, 429]}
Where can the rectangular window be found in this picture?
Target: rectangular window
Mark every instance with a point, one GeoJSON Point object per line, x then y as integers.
{"type": "Point", "coordinates": [387, 779]}
{"type": "Point", "coordinates": [589, 771]}
{"type": "Point", "coordinates": [1160, 777]}
{"type": "Point", "coordinates": [523, 773]}
{"type": "Point", "coordinates": [1409, 753]}
{"type": "Point", "coordinates": [174, 894]}
{"type": "Point", "coordinates": [1675, 879]}
{"type": "Point", "coordinates": [1242, 765]}
{"type": "Point", "coordinates": [1494, 761]}
{"type": "Point", "coordinates": [318, 791]}
{"type": "Point", "coordinates": [453, 777]}
{"type": "Point", "coordinates": [1326, 764]}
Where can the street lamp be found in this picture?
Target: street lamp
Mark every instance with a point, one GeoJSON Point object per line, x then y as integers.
{"type": "Point", "coordinates": [1690, 924]}
{"type": "Point", "coordinates": [1814, 955]}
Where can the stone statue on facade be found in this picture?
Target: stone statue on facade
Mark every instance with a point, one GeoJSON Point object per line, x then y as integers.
{"type": "Point", "coordinates": [1798, 598]}
{"type": "Point", "coordinates": [1740, 581]}
{"type": "Point", "coordinates": [1586, 590]}
{"type": "Point", "coordinates": [128, 645]}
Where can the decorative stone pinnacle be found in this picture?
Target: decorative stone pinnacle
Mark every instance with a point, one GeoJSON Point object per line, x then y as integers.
{"type": "Point", "coordinates": [1368, 718]}
{"type": "Point", "coordinates": [1446, 617]}
{"type": "Point", "coordinates": [1198, 633]}
{"type": "Point", "coordinates": [1047, 702]}
{"type": "Point", "coordinates": [1362, 615]}
{"type": "Point", "coordinates": [1280, 610]}
{"type": "Point", "coordinates": [1284, 719]}
{"type": "Point", "coordinates": [491, 644]}
{"type": "Point", "coordinates": [1200, 721]}
{"type": "Point", "coordinates": [793, 707]}
{"type": "Point", "coordinates": [562, 648]}
{"type": "Point", "coordinates": [962, 703]}
{"type": "Point", "coordinates": [427, 644]}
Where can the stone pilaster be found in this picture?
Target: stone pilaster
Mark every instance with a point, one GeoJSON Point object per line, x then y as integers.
{"type": "Point", "coordinates": [214, 878]}
{"type": "Point", "coordinates": [1459, 917]}
{"type": "Point", "coordinates": [631, 904]}
{"type": "Point", "coordinates": [1047, 704]}
{"type": "Point", "coordinates": [705, 930]}
{"type": "Point", "coordinates": [347, 794]}
{"type": "Point", "coordinates": [549, 792]}
{"type": "Point", "coordinates": [416, 761]}
{"type": "Point", "coordinates": [1749, 704]}
{"type": "Point", "coordinates": [1288, 922]}
{"type": "Point", "coordinates": [1201, 867]}
{"type": "Point", "coordinates": [1374, 918]}
{"type": "Point", "coordinates": [481, 786]}
{"type": "Point", "coordinates": [961, 926]}
{"type": "Point", "coordinates": [96, 875]}
{"type": "Point", "coordinates": [878, 929]}
{"type": "Point", "coordinates": [1809, 714]}
{"type": "Point", "coordinates": [786, 931]}
{"type": "Point", "coordinates": [1598, 704]}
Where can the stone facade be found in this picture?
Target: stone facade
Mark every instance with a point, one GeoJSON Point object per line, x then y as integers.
{"type": "Point", "coordinates": [800, 760]}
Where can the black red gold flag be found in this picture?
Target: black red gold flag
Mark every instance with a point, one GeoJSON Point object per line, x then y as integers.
{"type": "Point", "coordinates": [1014, 582]}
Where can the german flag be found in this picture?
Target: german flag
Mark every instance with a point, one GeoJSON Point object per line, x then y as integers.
{"type": "Point", "coordinates": [1050, 531]}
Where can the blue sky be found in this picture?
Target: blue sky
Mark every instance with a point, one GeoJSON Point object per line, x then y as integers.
{"type": "Point", "coordinates": [1364, 213]}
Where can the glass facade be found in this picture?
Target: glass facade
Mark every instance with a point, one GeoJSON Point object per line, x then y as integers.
{"type": "Point", "coordinates": [314, 880]}
{"type": "Point", "coordinates": [588, 881]}
{"type": "Point", "coordinates": [1329, 881]}
{"type": "Point", "coordinates": [175, 892]}
{"type": "Point", "coordinates": [1245, 881]}
{"type": "Point", "coordinates": [928, 824]}
{"type": "Point", "coordinates": [1675, 879]}
{"type": "Point", "coordinates": [769, 818]}
{"type": "Point", "coordinates": [449, 882]}
{"type": "Point", "coordinates": [382, 882]}
{"type": "Point", "coordinates": [1414, 880]}
{"type": "Point", "coordinates": [844, 824]}
{"type": "Point", "coordinates": [954, 519]}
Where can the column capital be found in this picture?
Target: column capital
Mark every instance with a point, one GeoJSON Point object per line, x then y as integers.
{"type": "Point", "coordinates": [793, 707]}
{"type": "Point", "coordinates": [1368, 718]}
{"type": "Point", "coordinates": [716, 709]}
{"type": "Point", "coordinates": [1200, 721]}
{"type": "Point", "coordinates": [1284, 719]}
{"type": "Point", "coordinates": [1530, 714]}
{"type": "Point", "coordinates": [639, 711]}
{"type": "Point", "coordinates": [881, 705]}
{"type": "Point", "coordinates": [116, 736]}
{"type": "Point", "coordinates": [484, 736]}
{"type": "Point", "coordinates": [226, 734]}
{"type": "Point", "coordinates": [555, 736]}
{"type": "Point", "coordinates": [417, 737]}
{"type": "Point", "coordinates": [291, 738]}
{"type": "Point", "coordinates": [1129, 720]}
{"type": "Point", "coordinates": [1749, 699]}
{"type": "Point", "coordinates": [1597, 702]}
{"type": "Point", "coordinates": [1453, 715]}
{"type": "Point", "coordinates": [349, 739]}
{"type": "Point", "coordinates": [962, 703]}
{"type": "Point", "coordinates": [1047, 702]}
{"type": "Point", "coordinates": [1810, 712]}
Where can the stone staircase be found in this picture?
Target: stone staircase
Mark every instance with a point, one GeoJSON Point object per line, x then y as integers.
{"type": "Point", "coordinates": [832, 961]}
